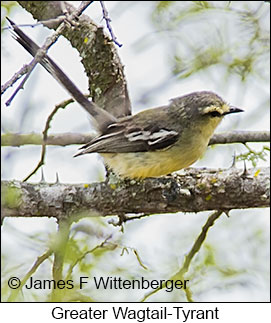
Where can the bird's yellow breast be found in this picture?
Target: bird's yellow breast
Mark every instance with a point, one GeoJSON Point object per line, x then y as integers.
{"type": "Point", "coordinates": [188, 149]}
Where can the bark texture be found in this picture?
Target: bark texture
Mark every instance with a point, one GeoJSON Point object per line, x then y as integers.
{"type": "Point", "coordinates": [193, 191]}
{"type": "Point", "coordinates": [107, 83]}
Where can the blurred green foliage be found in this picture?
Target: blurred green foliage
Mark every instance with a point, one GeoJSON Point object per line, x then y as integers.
{"type": "Point", "coordinates": [231, 34]}
{"type": "Point", "coordinates": [254, 156]}
{"type": "Point", "coordinates": [6, 8]}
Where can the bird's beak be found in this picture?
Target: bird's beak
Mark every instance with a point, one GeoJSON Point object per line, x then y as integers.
{"type": "Point", "coordinates": [233, 110]}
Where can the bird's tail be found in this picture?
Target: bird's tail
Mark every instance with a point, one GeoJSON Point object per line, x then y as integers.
{"type": "Point", "coordinates": [102, 118]}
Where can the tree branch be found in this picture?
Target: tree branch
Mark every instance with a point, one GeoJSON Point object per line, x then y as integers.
{"type": "Point", "coordinates": [193, 191]}
{"type": "Point", "coordinates": [108, 24]}
{"type": "Point", "coordinates": [33, 269]}
{"type": "Point", "coordinates": [45, 136]}
{"type": "Point", "coordinates": [240, 137]}
{"type": "Point", "coordinates": [189, 257]}
{"type": "Point", "coordinates": [59, 256]}
{"type": "Point", "coordinates": [48, 43]}
{"type": "Point", "coordinates": [107, 83]}
{"type": "Point", "coordinates": [23, 70]}
{"type": "Point", "coordinates": [68, 138]}
{"type": "Point", "coordinates": [59, 139]}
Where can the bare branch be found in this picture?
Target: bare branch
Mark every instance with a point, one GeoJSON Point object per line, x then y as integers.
{"type": "Point", "coordinates": [188, 259]}
{"type": "Point", "coordinates": [192, 191]}
{"type": "Point", "coordinates": [68, 138]}
{"type": "Point", "coordinates": [45, 135]}
{"type": "Point", "coordinates": [240, 137]}
{"type": "Point", "coordinates": [14, 78]}
{"type": "Point", "coordinates": [107, 83]}
{"type": "Point", "coordinates": [33, 269]}
{"type": "Point", "coordinates": [108, 24]}
{"type": "Point", "coordinates": [48, 43]}
{"type": "Point", "coordinates": [30, 67]}
{"type": "Point", "coordinates": [79, 259]}
{"type": "Point", "coordinates": [61, 139]}
{"type": "Point", "coordinates": [197, 244]}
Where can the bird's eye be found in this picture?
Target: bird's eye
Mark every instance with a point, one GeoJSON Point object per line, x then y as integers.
{"type": "Point", "coordinates": [214, 114]}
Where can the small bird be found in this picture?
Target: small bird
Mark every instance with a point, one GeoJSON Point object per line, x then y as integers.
{"type": "Point", "coordinates": [161, 140]}
{"type": "Point", "coordinates": [151, 143]}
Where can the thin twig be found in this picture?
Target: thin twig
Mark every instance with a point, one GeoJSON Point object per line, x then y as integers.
{"type": "Point", "coordinates": [28, 25]}
{"type": "Point", "coordinates": [108, 24]}
{"type": "Point", "coordinates": [33, 269]}
{"type": "Point", "coordinates": [14, 78]}
{"type": "Point", "coordinates": [101, 245]}
{"type": "Point", "coordinates": [48, 43]}
{"type": "Point", "coordinates": [45, 135]}
{"type": "Point", "coordinates": [83, 6]}
{"type": "Point", "coordinates": [198, 243]}
{"type": "Point", "coordinates": [250, 149]}
{"type": "Point", "coordinates": [53, 21]}
{"type": "Point", "coordinates": [194, 250]}
{"type": "Point", "coordinates": [125, 218]}
{"type": "Point", "coordinates": [188, 294]}
{"type": "Point", "coordinates": [30, 68]}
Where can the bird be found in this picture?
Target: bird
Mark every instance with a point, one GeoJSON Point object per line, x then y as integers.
{"type": "Point", "coordinates": [152, 143]}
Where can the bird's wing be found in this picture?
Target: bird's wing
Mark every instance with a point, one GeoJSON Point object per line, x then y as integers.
{"type": "Point", "coordinates": [130, 135]}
